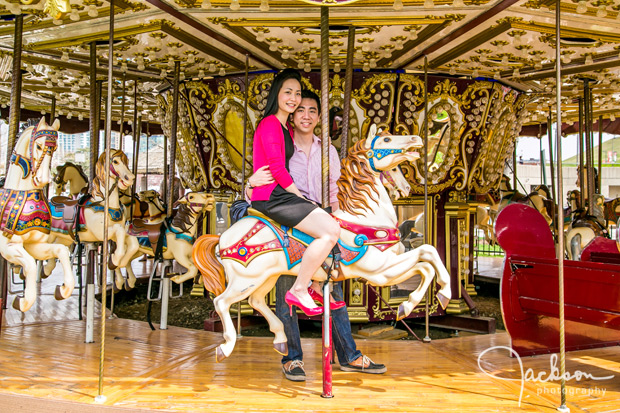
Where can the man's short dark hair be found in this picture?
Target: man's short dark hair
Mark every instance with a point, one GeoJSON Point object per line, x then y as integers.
{"type": "Point", "coordinates": [305, 93]}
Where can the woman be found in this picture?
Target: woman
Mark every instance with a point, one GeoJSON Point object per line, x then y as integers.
{"type": "Point", "coordinates": [281, 200]}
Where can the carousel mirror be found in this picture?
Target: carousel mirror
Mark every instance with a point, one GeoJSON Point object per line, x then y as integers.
{"type": "Point", "coordinates": [442, 141]}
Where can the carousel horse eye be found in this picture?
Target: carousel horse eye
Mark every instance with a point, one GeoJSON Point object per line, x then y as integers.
{"type": "Point", "coordinates": [39, 147]}
{"type": "Point", "coordinates": [386, 140]}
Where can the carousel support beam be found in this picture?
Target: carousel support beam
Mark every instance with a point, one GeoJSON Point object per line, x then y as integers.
{"type": "Point", "coordinates": [558, 145]}
{"type": "Point", "coordinates": [100, 398]}
{"type": "Point", "coordinates": [348, 88]}
{"type": "Point", "coordinates": [173, 134]}
{"type": "Point", "coordinates": [325, 141]}
{"type": "Point", "coordinates": [427, 337]}
{"type": "Point", "coordinates": [16, 88]}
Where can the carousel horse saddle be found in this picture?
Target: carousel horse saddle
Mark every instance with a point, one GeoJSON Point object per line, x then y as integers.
{"type": "Point", "coordinates": [67, 207]}
{"type": "Point", "coordinates": [140, 228]}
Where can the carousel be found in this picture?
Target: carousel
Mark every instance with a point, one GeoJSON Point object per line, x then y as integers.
{"type": "Point", "coordinates": [424, 102]}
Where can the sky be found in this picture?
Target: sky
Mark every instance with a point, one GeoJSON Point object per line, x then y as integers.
{"type": "Point", "coordinates": [529, 147]}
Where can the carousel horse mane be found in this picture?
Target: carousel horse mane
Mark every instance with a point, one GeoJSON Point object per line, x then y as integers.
{"type": "Point", "coordinates": [60, 172]}
{"type": "Point", "coordinates": [356, 178]}
{"type": "Point", "coordinates": [99, 180]}
{"type": "Point", "coordinates": [182, 219]}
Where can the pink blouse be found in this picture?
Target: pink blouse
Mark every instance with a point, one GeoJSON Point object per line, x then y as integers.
{"type": "Point", "coordinates": [268, 149]}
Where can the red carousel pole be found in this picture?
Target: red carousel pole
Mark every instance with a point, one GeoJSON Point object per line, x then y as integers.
{"type": "Point", "coordinates": [325, 140]}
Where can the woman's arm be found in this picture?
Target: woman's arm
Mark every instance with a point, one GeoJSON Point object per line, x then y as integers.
{"type": "Point", "coordinates": [272, 139]}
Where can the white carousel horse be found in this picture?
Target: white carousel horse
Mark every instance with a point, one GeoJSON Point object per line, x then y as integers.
{"type": "Point", "coordinates": [25, 223]}
{"type": "Point", "coordinates": [584, 225]}
{"type": "Point", "coordinates": [255, 251]}
{"type": "Point", "coordinates": [395, 183]}
{"type": "Point", "coordinates": [72, 174]}
{"type": "Point", "coordinates": [179, 234]}
{"type": "Point", "coordinates": [90, 217]}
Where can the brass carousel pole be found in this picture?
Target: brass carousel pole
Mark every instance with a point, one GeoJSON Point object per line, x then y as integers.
{"type": "Point", "coordinates": [600, 154]}
{"type": "Point", "coordinates": [580, 150]}
{"type": "Point", "coordinates": [16, 89]}
{"type": "Point", "coordinates": [100, 398]}
{"type": "Point", "coordinates": [93, 118]}
{"type": "Point", "coordinates": [53, 109]}
{"type": "Point", "coordinates": [588, 144]}
{"type": "Point", "coordinates": [427, 337]}
{"type": "Point", "coordinates": [551, 163]}
{"type": "Point", "coordinates": [121, 144]}
{"type": "Point", "coordinates": [558, 145]}
{"type": "Point", "coordinates": [173, 134]}
{"type": "Point", "coordinates": [325, 140]}
{"type": "Point", "coordinates": [136, 142]}
{"type": "Point", "coordinates": [348, 87]}
{"type": "Point", "coordinates": [245, 141]}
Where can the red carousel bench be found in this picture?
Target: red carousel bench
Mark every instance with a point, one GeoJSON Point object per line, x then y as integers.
{"type": "Point", "coordinates": [530, 287]}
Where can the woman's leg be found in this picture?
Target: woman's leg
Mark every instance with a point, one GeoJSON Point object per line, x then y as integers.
{"type": "Point", "coordinates": [325, 231]}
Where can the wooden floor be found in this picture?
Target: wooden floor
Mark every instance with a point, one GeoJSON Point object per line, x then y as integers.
{"type": "Point", "coordinates": [48, 368]}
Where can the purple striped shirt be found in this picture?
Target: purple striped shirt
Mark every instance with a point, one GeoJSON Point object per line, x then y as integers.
{"type": "Point", "coordinates": [306, 171]}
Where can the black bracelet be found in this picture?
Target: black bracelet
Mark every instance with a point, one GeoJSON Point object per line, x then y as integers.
{"type": "Point", "coordinates": [250, 185]}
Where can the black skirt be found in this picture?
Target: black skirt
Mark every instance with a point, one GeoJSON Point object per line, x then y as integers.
{"type": "Point", "coordinates": [285, 207]}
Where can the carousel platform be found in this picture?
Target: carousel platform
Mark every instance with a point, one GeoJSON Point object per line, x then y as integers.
{"type": "Point", "coordinates": [47, 367]}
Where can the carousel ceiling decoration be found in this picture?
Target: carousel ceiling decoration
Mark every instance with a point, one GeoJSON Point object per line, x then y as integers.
{"type": "Point", "coordinates": [511, 41]}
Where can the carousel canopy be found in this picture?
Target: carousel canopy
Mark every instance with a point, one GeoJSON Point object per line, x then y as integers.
{"type": "Point", "coordinates": [511, 41]}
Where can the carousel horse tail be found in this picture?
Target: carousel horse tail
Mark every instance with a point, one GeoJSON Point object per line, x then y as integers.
{"type": "Point", "coordinates": [211, 269]}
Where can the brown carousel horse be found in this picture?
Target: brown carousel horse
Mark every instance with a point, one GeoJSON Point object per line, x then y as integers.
{"type": "Point", "coordinates": [26, 218]}
{"type": "Point", "coordinates": [540, 199]}
{"type": "Point", "coordinates": [73, 175]}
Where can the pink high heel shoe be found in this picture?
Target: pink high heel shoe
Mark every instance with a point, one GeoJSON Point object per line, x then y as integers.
{"type": "Point", "coordinates": [291, 300]}
{"type": "Point", "coordinates": [317, 297]}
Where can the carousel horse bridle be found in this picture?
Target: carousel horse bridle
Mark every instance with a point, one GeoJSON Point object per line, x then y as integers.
{"type": "Point", "coordinates": [379, 153]}
{"type": "Point", "coordinates": [51, 138]}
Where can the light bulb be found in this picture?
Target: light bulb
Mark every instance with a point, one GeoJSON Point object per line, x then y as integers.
{"type": "Point", "coordinates": [307, 67]}
{"type": "Point", "coordinates": [313, 55]}
{"type": "Point", "coordinates": [124, 67]}
{"type": "Point", "coordinates": [582, 7]}
{"type": "Point", "coordinates": [273, 46]}
{"type": "Point", "coordinates": [337, 67]}
{"type": "Point", "coordinates": [372, 63]}
{"type": "Point", "coordinates": [222, 71]}
{"type": "Point", "coordinates": [191, 59]}
{"type": "Point", "coordinates": [74, 15]}
{"type": "Point", "coordinates": [496, 76]}
{"type": "Point", "coordinates": [612, 118]}
{"type": "Point", "coordinates": [92, 11]}
{"type": "Point", "coordinates": [81, 117]}
{"type": "Point", "coordinates": [429, 4]}
{"type": "Point", "coordinates": [366, 67]}
{"type": "Point", "coordinates": [452, 71]}
{"type": "Point", "coordinates": [64, 57]}
{"type": "Point", "coordinates": [260, 36]}
{"type": "Point", "coordinates": [358, 54]}
{"type": "Point", "coordinates": [398, 5]}
{"type": "Point", "coordinates": [264, 5]}
{"type": "Point", "coordinates": [285, 54]}
{"type": "Point", "coordinates": [211, 67]}
{"type": "Point", "coordinates": [516, 73]}
{"type": "Point", "coordinates": [57, 22]}
{"type": "Point", "coordinates": [458, 3]}
{"type": "Point", "coordinates": [589, 60]}
{"type": "Point", "coordinates": [141, 66]}
{"type": "Point", "coordinates": [163, 73]}
{"type": "Point", "coordinates": [365, 47]}
{"type": "Point", "coordinates": [399, 44]}
{"type": "Point", "coordinates": [201, 73]}
{"type": "Point", "coordinates": [182, 76]}
{"type": "Point", "coordinates": [475, 73]}
{"type": "Point", "coordinates": [413, 34]}
{"type": "Point", "coordinates": [206, 4]}
{"type": "Point", "coordinates": [601, 12]}
{"type": "Point", "coordinates": [234, 5]}
{"type": "Point", "coordinates": [300, 64]}
{"type": "Point", "coordinates": [170, 62]}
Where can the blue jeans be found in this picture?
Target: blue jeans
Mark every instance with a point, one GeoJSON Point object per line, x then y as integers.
{"type": "Point", "coordinates": [341, 326]}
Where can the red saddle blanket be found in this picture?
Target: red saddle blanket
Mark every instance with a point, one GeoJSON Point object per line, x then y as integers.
{"type": "Point", "coordinates": [24, 211]}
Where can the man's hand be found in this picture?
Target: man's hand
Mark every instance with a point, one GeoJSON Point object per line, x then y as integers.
{"type": "Point", "coordinates": [261, 177]}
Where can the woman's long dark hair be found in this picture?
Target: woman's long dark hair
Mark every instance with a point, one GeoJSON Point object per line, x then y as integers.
{"type": "Point", "coordinates": [271, 107]}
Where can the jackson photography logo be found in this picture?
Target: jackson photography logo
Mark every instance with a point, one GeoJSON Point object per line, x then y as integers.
{"type": "Point", "coordinates": [543, 376]}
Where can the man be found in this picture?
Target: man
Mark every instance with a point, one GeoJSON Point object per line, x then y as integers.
{"type": "Point", "coordinates": [305, 169]}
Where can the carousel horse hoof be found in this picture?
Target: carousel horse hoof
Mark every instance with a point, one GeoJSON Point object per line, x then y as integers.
{"type": "Point", "coordinates": [111, 264]}
{"type": "Point", "coordinates": [401, 313]}
{"type": "Point", "coordinates": [219, 354]}
{"type": "Point", "coordinates": [17, 303]}
{"type": "Point", "coordinates": [115, 288]}
{"type": "Point", "coordinates": [281, 348]}
{"type": "Point", "coordinates": [127, 286]}
{"type": "Point", "coordinates": [58, 293]}
{"type": "Point", "coordinates": [443, 300]}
